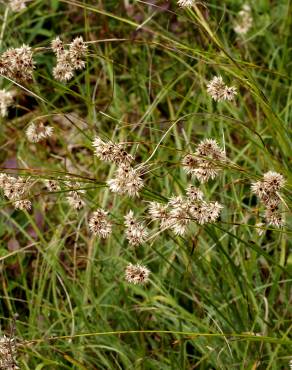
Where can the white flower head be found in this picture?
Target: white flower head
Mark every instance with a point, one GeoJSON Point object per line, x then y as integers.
{"type": "Point", "coordinates": [219, 91]}
{"type": "Point", "coordinates": [99, 223]}
{"type": "Point", "coordinates": [38, 131]}
{"type": "Point", "coordinates": [137, 274]}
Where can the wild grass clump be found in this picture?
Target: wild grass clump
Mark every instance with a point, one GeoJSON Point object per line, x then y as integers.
{"type": "Point", "coordinates": [145, 185]}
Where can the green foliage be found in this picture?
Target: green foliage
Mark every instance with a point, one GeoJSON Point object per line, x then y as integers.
{"type": "Point", "coordinates": [218, 298]}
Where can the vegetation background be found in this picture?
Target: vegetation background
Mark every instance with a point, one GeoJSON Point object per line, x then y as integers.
{"type": "Point", "coordinates": [146, 73]}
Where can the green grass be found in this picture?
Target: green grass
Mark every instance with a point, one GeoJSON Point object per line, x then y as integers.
{"type": "Point", "coordinates": [218, 298]}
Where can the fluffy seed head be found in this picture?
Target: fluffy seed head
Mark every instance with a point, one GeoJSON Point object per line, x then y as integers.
{"type": "Point", "coordinates": [179, 214]}
{"type": "Point", "coordinates": [274, 217]}
{"type": "Point", "coordinates": [259, 188]}
{"type": "Point", "coordinates": [217, 89]}
{"type": "Point", "coordinates": [127, 180]}
{"type": "Point", "coordinates": [63, 71]}
{"type": "Point", "coordinates": [77, 48]}
{"type": "Point", "coordinates": [15, 189]}
{"type": "Point", "coordinates": [37, 131]}
{"type": "Point", "coordinates": [74, 200]}
{"type": "Point", "coordinates": [136, 232]}
{"type": "Point", "coordinates": [210, 148]}
{"type": "Point", "coordinates": [17, 63]}
{"type": "Point", "coordinates": [111, 152]}
{"type": "Point", "coordinates": [137, 274]}
{"type": "Point", "coordinates": [206, 212]}
{"type": "Point", "coordinates": [267, 188]}
{"type": "Point", "coordinates": [99, 224]}
{"type": "Point", "coordinates": [194, 194]}
{"type": "Point", "coordinates": [57, 46]}
{"type": "Point", "coordinates": [52, 185]}
{"type": "Point", "coordinates": [205, 174]}
{"type": "Point", "coordinates": [159, 212]}
{"type": "Point", "coordinates": [205, 163]}
{"type": "Point", "coordinates": [190, 163]}
{"type": "Point", "coordinates": [24, 204]}
{"type": "Point", "coordinates": [68, 60]}
{"type": "Point", "coordinates": [275, 181]}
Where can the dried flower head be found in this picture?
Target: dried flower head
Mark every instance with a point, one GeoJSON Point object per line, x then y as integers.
{"type": "Point", "coordinates": [127, 180]}
{"type": "Point", "coordinates": [275, 181]}
{"type": "Point", "coordinates": [159, 212]}
{"type": "Point", "coordinates": [186, 3]}
{"type": "Point", "coordinates": [8, 353]}
{"type": "Point", "coordinates": [57, 46]}
{"type": "Point", "coordinates": [205, 163]}
{"type": "Point", "coordinates": [274, 217]}
{"type": "Point", "coordinates": [244, 20]}
{"type": "Point", "coordinates": [111, 152]}
{"type": "Point", "coordinates": [16, 190]}
{"type": "Point", "coordinates": [17, 63]}
{"type": "Point", "coordinates": [267, 189]}
{"type": "Point", "coordinates": [52, 185]}
{"type": "Point", "coordinates": [137, 274]}
{"type": "Point", "coordinates": [68, 60]}
{"type": "Point", "coordinates": [206, 212]}
{"type": "Point", "coordinates": [179, 214]}
{"type": "Point", "coordinates": [74, 200]}
{"type": "Point", "coordinates": [217, 89]}
{"type": "Point", "coordinates": [259, 188]}
{"type": "Point", "coordinates": [17, 5]}
{"type": "Point", "coordinates": [78, 50]}
{"type": "Point", "coordinates": [63, 71]}
{"type": "Point", "coordinates": [194, 194]}
{"type": "Point", "coordinates": [99, 224]}
{"type": "Point", "coordinates": [38, 131]}
{"type": "Point", "coordinates": [210, 148]}
{"type": "Point", "coordinates": [136, 232]}
{"type": "Point", "coordinates": [24, 204]}
{"type": "Point", "coordinates": [6, 100]}
{"type": "Point", "coordinates": [190, 163]}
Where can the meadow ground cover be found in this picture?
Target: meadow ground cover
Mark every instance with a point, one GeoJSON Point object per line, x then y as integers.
{"type": "Point", "coordinates": [145, 184]}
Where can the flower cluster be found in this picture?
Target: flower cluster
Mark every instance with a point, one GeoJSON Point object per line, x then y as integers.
{"type": "Point", "coordinates": [180, 211]}
{"type": "Point", "coordinates": [6, 100]}
{"type": "Point", "coordinates": [74, 198]}
{"type": "Point", "coordinates": [127, 180]}
{"type": "Point", "coordinates": [111, 152]}
{"type": "Point", "coordinates": [244, 20]}
{"type": "Point", "coordinates": [68, 60]}
{"type": "Point", "coordinates": [17, 63]}
{"type": "Point", "coordinates": [219, 91]}
{"type": "Point", "coordinates": [268, 192]}
{"type": "Point", "coordinates": [204, 164]}
{"type": "Point", "coordinates": [38, 131]}
{"type": "Point", "coordinates": [136, 232]}
{"type": "Point", "coordinates": [17, 5]}
{"type": "Point", "coordinates": [137, 274]}
{"type": "Point", "coordinates": [16, 190]}
{"type": "Point", "coordinates": [99, 224]}
{"type": "Point", "coordinates": [8, 353]}
{"type": "Point", "coordinates": [52, 185]}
